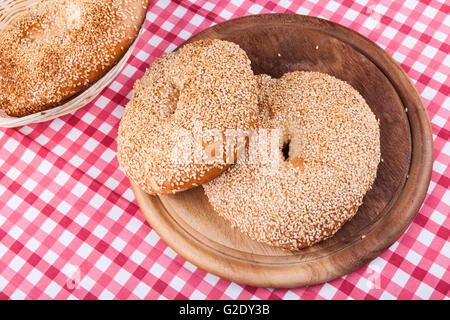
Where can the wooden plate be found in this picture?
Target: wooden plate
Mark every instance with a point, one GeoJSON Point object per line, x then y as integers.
{"type": "Point", "coordinates": [280, 43]}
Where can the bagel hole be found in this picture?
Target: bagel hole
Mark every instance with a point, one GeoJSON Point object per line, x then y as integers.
{"type": "Point", "coordinates": [285, 150]}
{"type": "Point", "coordinates": [176, 100]}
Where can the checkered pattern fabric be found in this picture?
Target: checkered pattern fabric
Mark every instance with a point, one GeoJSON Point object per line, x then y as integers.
{"type": "Point", "coordinates": [70, 227]}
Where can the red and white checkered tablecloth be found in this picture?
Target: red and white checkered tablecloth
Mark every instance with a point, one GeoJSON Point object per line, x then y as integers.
{"type": "Point", "coordinates": [69, 224]}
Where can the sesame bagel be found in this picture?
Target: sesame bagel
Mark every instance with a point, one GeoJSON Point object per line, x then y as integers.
{"type": "Point", "coordinates": [307, 168]}
{"type": "Point", "coordinates": [59, 48]}
{"type": "Point", "coordinates": [174, 134]}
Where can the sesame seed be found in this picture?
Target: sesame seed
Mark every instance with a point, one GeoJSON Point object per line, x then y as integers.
{"type": "Point", "coordinates": [58, 48]}
{"type": "Point", "coordinates": [202, 88]}
{"type": "Point", "coordinates": [307, 195]}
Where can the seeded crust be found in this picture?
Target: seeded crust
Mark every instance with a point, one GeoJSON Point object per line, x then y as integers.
{"type": "Point", "coordinates": [59, 48]}
{"type": "Point", "coordinates": [204, 86]}
{"type": "Point", "coordinates": [334, 152]}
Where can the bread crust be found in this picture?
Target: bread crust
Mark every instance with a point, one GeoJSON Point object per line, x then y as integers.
{"type": "Point", "coordinates": [60, 48]}
{"type": "Point", "coordinates": [174, 131]}
{"type": "Point", "coordinates": [304, 193]}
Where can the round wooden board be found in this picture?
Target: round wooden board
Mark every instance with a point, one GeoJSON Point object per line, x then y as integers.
{"type": "Point", "coordinates": [279, 43]}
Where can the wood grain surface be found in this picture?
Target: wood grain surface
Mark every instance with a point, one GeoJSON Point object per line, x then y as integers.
{"type": "Point", "coordinates": [279, 43]}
